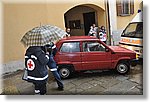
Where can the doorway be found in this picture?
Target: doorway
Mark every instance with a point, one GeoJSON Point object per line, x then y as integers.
{"type": "Point", "coordinates": [86, 15]}
{"type": "Point", "coordinates": [89, 19]}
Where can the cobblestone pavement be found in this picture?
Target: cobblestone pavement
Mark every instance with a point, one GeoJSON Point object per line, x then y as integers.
{"type": "Point", "coordinates": [85, 83]}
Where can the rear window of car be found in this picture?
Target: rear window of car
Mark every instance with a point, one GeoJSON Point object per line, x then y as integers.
{"type": "Point", "coordinates": [70, 47]}
{"type": "Point", "coordinates": [93, 47]}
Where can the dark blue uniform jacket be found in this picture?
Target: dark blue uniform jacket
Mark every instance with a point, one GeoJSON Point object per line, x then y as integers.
{"type": "Point", "coordinates": [35, 62]}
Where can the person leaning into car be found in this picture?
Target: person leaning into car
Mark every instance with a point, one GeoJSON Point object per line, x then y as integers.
{"type": "Point", "coordinates": [52, 64]}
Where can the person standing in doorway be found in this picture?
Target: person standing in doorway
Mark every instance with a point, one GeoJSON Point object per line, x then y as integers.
{"type": "Point", "coordinates": [93, 31]}
{"type": "Point", "coordinates": [68, 32]}
{"type": "Point", "coordinates": [102, 34]}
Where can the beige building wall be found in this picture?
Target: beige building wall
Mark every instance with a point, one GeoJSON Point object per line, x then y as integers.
{"type": "Point", "coordinates": [126, 19]}
{"type": "Point", "coordinates": [20, 17]}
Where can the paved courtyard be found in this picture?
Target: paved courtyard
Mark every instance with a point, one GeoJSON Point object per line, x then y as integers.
{"type": "Point", "coordinates": [84, 83]}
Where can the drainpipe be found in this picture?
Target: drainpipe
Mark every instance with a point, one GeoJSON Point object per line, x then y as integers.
{"type": "Point", "coordinates": [108, 22]}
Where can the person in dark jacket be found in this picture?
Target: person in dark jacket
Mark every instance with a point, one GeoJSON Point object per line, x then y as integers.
{"type": "Point", "coordinates": [35, 62]}
{"type": "Point", "coordinates": [52, 64]}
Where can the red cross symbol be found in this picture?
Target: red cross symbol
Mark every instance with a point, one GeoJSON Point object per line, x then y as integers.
{"type": "Point", "coordinates": [30, 64]}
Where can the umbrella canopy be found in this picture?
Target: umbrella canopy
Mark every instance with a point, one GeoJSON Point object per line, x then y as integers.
{"type": "Point", "coordinates": [40, 36]}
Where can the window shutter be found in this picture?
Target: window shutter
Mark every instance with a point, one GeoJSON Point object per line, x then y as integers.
{"type": "Point", "coordinates": [132, 7]}
{"type": "Point", "coordinates": [119, 8]}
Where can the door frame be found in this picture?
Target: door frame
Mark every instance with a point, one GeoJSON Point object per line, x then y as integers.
{"type": "Point", "coordinates": [88, 23]}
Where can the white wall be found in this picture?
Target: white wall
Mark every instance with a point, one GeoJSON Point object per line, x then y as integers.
{"type": "Point", "coordinates": [113, 14]}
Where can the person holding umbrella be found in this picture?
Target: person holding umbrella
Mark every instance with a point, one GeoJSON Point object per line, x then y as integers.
{"type": "Point", "coordinates": [36, 59]}
{"type": "Point", "coordinates": [35, 62]}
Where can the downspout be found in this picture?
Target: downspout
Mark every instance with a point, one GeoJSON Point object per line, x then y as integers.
{"type": "Point", "coordinates": [108, 22]}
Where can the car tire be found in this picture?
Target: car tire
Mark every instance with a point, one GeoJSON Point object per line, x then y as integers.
{"type": "Point", "coordinates": [64, 72]}
{"type": "Point", "coordinates": [123, 67]}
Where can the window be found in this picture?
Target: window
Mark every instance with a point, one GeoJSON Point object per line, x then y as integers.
{"type": "Point", "coordinates": [93, 47]}
{"type": "Point", "coordinates": [70, 47]}
{"type": "Point", "coordinates": [125, 7]}
{"type": "Point", "coordinates": [75, 24]}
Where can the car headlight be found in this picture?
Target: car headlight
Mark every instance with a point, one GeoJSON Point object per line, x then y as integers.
{"type": "Point", "coordinates": [137, 56]}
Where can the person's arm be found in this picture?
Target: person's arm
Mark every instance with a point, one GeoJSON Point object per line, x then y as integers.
{"type": "Point", "coordinates": [43, 58]}
{"type": "Point", "coordinates": [54, 51]}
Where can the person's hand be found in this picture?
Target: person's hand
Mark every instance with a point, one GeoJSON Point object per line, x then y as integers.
{"type": "Point", "coordinates": [47, 53]}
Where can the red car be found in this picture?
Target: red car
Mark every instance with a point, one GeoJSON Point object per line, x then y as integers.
{"type": "Point", "coordinates": [81, 53]}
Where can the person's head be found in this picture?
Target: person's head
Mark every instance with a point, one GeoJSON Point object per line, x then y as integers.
{"type": "Point", "coordinates": [68, 30]}
{"type": "Point", "coordinates": [49, 46]}
{"type": "Point", "coordinates": [91, 27]}
{"type": "Point", "coordinates": [102, 27]}
{"type": "Point", "coordinates": [94, 25]}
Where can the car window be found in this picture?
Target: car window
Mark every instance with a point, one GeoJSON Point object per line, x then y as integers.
{"type": "Point", "coordinates": [93, 47]}
{"type": "Point", "coordinates": [70, 47]}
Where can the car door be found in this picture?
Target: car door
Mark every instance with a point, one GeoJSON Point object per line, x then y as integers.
{"type": "Point", "coordinates": [70, 54]}
{"type": "Point", "coordinates": [95, 56]}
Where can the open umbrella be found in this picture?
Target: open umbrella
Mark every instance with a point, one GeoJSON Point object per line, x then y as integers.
{"type": "Point", "coordinates": [40, 36]}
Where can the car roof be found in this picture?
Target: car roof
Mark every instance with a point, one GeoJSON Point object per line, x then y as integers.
{"type": "Point", "coordinates": [79, 38]}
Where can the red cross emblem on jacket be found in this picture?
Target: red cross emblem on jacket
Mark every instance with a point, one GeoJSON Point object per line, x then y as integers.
{"type": "Point", "coordinates": [30, 64]}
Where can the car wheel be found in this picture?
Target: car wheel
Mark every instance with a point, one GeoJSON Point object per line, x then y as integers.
{"type": "Point", "coordinates": [64, 72]}
{"type": "Point", "coordinates": [123, 67]}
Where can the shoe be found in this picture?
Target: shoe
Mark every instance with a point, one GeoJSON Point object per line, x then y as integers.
{"type": "Point", "coordinates": [60, 88]}
{"type": "Point", "coordinates": [37, 92]}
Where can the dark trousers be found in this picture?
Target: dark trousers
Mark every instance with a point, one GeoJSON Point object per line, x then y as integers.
{"type": "Point", "coordinates": [41, 87]}
{"type": "Point", "coordinates": [53, 67]}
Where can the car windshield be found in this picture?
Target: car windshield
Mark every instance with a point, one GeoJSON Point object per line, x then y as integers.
{"type": "Point", "coordinates": [133, 30]}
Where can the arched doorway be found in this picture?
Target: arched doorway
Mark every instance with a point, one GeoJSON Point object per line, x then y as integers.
{"type": "Point", "coordinates": [80, 18]}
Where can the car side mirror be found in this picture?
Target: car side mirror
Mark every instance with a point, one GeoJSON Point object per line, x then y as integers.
{"type": "Point", "coordinates": [107, 50]}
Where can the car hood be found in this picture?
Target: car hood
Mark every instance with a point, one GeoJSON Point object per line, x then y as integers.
{"type": "Point", "coordinates": [120, 49]}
